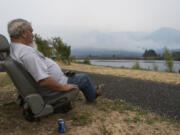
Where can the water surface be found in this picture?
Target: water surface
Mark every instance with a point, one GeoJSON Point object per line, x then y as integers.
{"type": "Point", "coordinates": [145, 64]}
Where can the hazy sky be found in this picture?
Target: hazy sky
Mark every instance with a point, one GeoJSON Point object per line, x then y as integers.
{"type": "Point", "coordinates": [88, 15]}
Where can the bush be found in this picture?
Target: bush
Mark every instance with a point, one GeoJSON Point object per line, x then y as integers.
{"type": "Point", "coordinates": [168, 60]}
{"type": "Point", "coordinates": [86, 61]}
{"type": "Point", "coordinates": [136, 65]}
{"type": "Point", "coordinates": [155, 67]}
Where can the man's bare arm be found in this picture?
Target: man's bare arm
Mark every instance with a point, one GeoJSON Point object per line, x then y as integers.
{"type": "Point", "coordinates": [53, 85]}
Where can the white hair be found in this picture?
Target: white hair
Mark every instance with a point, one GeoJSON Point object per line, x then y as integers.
{"type": "Point", "coordinates": [16, 26]}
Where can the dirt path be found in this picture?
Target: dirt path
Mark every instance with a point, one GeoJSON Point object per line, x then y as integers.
{"type": "Point", "coordinates": [161, 98]}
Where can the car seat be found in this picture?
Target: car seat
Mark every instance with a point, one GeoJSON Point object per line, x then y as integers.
{"type": "Point", "coordinates": [34, 104]}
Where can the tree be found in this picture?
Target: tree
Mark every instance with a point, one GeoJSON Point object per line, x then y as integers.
{"type": "Point", "coordinates": [176, 55]}
{"type": "Point", "coordinates": [62, 50]}
{"type": "Point", "coordinates": [43, 45]}
{"type": "Point", "coordinates": [149, 53]}
{"type": "Point", "coordinates": [168, 60]}
{"type": "Point", "coordinates": [54, 48]}
{"type": "Point", "coordinates": [114, 56]}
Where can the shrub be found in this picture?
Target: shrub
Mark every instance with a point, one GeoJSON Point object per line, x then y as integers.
{"type": "Point", "coordinates": [168, 60]}
{"type": "Point", "coordinates": [136, 65]}
{"type": "Point", "coordinates": [86, 61]}
{"type": "Point", "coordinates": [155, 67]}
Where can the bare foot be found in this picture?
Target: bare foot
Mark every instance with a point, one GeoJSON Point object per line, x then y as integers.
{"type": "Point", "coordinates": [99, 89]}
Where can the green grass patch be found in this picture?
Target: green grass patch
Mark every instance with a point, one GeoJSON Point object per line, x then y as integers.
{"type": "Point", "coordinates": [135, 119]}
{"type": "Point", "coordinates": [167, 119]}
{"type": "Point", "coordinates": [150, 121]}
{"type": "Point", "coordinates": [5, 81]}
{"type": "Point", "coordinates": [142, 111]}
{"type": "Point", "coordinates": [104, 131]}
{"type": "Point", "coordinates": [120, 106]}
{"type": "Point", "coordinates": [85, 61]}
{"type": "Point", "coordinates": [81, 118]}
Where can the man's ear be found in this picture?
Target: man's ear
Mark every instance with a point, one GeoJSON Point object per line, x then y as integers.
{"type": "Point", "coordinates": [23, 34]}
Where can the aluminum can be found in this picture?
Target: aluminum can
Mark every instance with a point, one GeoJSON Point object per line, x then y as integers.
{"type": "Point", "coordinates": [61, 126]}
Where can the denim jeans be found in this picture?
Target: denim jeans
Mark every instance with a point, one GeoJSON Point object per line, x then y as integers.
{"type": "Point", "coordinates": [84, 84]}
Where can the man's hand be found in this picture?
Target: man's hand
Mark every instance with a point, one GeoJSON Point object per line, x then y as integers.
{"type": "Point", "coordinates": [69, 87]}
{"type": "Point", "coordinates": [53, 85]}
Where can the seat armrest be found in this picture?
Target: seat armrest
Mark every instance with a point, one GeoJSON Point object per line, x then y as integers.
{"type": "Point", "coordinates": [62, 98]}
{"type": "Point", "coordinates": [37, 105]}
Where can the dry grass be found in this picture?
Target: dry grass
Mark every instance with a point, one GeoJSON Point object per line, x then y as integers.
{"type": "Point", "coordinates": [165, 77]}
{"type": "Point", "coordinates": [103, 117]}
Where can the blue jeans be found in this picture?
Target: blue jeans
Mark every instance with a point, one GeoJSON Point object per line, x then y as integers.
{"type": "Point", "coordinates": [84, 84]}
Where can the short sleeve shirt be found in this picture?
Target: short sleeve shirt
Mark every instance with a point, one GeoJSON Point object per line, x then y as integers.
{"type": "Point", "coordinates": [39, 66]}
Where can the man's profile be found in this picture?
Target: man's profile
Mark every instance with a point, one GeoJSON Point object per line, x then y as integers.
{"type": "Point", "coordinates": [44, 70]}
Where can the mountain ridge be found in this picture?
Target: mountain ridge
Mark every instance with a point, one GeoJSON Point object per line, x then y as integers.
{"type": "Point", "coordinates": [125, 43]}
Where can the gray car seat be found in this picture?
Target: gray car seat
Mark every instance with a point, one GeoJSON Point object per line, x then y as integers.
{"type": "Point", "coordinates": [30, 92]}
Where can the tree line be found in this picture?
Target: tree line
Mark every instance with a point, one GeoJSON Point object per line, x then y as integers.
{"type": "Point", "coordinates": [151, 54]}
{"type": "Point", "coordinates": [167, 56]}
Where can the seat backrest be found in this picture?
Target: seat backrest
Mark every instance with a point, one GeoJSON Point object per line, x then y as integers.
{"type": "Point", "coordinates": [23, 81]}
{"type": "Point", "coordinates": [28, 88]}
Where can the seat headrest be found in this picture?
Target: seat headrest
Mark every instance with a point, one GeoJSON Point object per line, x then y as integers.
{"type": "Point", "coordinates": [4, 44]}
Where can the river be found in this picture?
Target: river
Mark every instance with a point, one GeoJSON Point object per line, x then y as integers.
{"type": "Point", "coordinates": [144, 64]}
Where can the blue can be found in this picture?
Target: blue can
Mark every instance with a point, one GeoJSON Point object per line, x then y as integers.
{"type": "Point", "coordinates": [61, 126]}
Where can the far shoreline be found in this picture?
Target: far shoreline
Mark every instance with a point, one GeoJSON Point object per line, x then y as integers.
{"type": "Point", "coordinates": [119, 58]}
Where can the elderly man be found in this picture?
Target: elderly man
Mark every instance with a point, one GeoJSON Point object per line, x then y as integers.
{"type": "Point", "coordinates": [44, 70]}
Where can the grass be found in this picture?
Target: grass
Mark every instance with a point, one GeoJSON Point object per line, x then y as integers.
{"type": "Point", "coordinates": [135, 119]}
{"type": "Point", "coordinates": [150, 121]}
{"type": "Point", "coordinates": [141, 115]}
{"type": "Point", "coordinates": [103, 117]}
{"type": "Point", "coordinates": [5, 81]}
{"type": "Point", "coordinates": [104, 131]}
{"type": "Point", "coordinates": [85, 61]}
{"type": "Point", "coordinates": [121, 106]}
{"type": "Point", "coordinates": [81, 118]}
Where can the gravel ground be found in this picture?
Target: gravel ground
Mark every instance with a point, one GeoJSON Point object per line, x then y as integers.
{"type": "Point", "coordinates": [160, 98]}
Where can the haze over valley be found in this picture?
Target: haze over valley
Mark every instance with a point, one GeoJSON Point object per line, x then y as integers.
{"type": "Point", "coordinates": [122, 43]}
